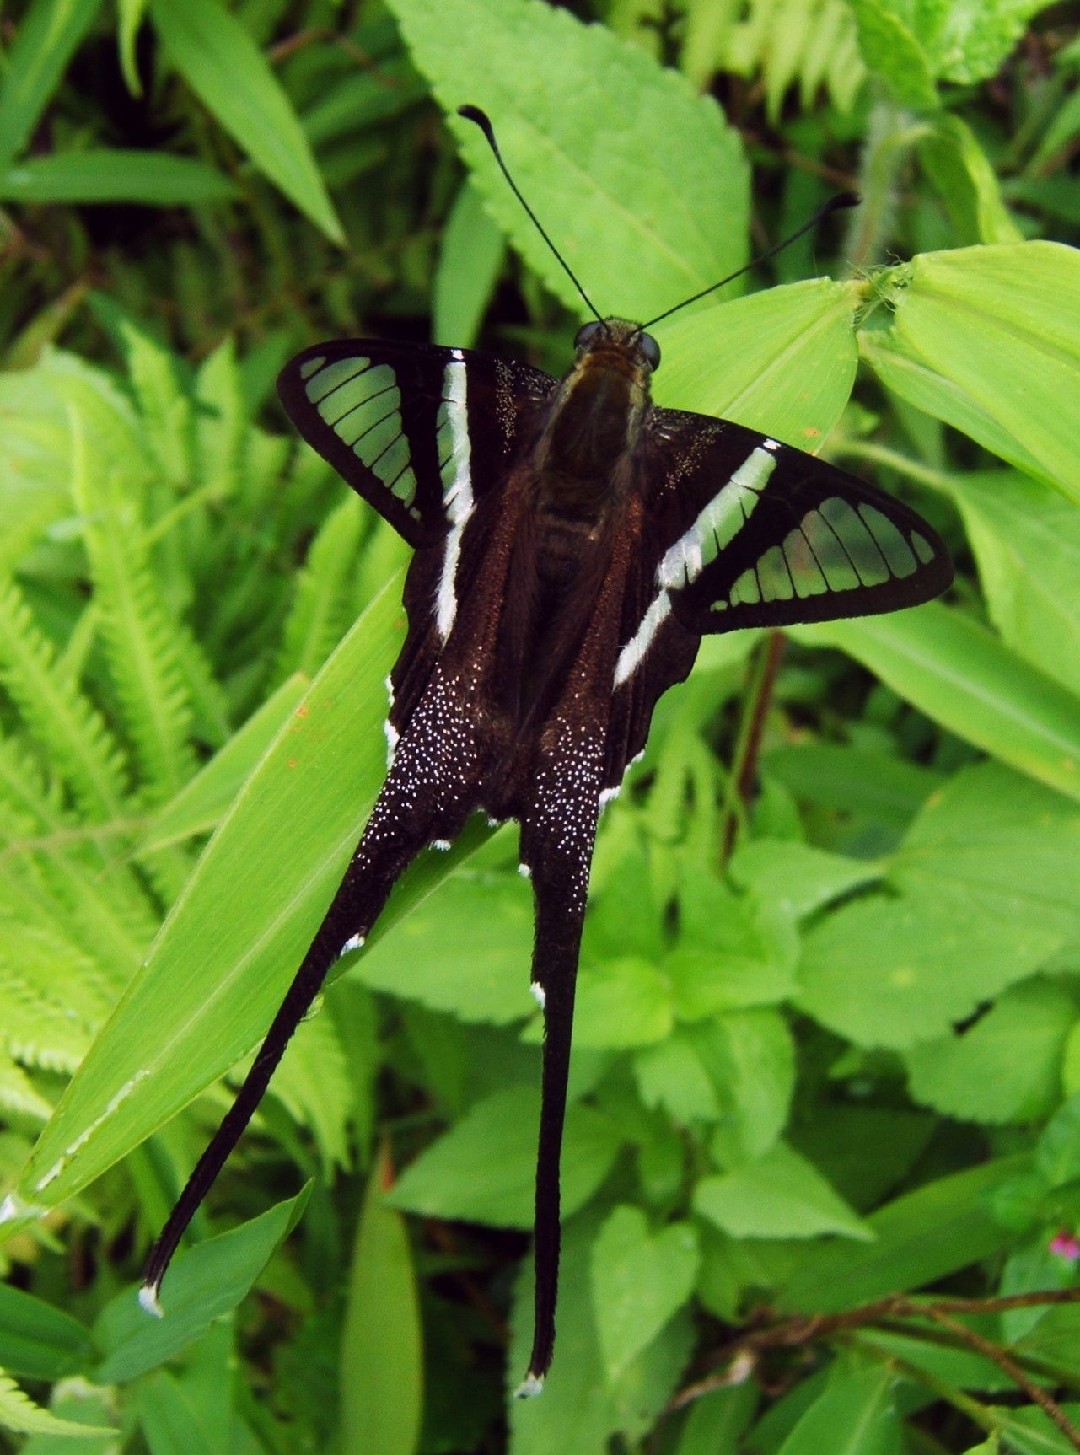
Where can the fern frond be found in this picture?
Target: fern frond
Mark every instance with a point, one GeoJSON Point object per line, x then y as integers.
{"type": "Point", "coordinates": [18, 1095]}
{"type": "Point", "coordinates": [20, 1415]}
{"type": "Point", "coordinates": [63, 723]}
{"type": "Point", "coordinates": [322, 606]}
{"type": "Point", "coordinates": [136, 630]}
{"type": "Point", "coordinates": [313, 1084]}
{"type": "Point", "coordinates": [809, 43]}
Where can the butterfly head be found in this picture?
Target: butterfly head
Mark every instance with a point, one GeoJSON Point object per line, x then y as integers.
{"type": "Point", "coordinates": [615, 342]}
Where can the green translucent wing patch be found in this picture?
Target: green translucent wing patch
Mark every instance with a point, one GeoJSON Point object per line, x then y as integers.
{"type": "Point", "coordinates": [361, 402]}
{"type": "Point", "coordinates": [837, 547]}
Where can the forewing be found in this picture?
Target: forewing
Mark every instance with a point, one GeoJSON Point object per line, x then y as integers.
{"type": "Point", "coordinates": [750, 532]}
{"type": "Point", "coordinates": [420, 431]}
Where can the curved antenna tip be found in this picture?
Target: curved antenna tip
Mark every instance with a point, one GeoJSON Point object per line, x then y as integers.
{"type": "Point", "coordinates": [480, 119]}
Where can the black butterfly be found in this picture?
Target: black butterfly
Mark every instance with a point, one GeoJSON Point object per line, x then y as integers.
{"type": "Point", "coordinates": [573, 542]}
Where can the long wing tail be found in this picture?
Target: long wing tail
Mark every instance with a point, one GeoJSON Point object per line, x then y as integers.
{"type": "Point", "coordinates": [426, 796]}
{"type": "Point", "coordinates": [557, 843]}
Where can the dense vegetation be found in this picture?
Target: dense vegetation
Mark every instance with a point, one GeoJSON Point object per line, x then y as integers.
{"type": "Point", "coordinates": [822, 1167]}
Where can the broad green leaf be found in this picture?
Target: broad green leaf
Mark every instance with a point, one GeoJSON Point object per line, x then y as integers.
{"type": "Point", "coordinates": [219, 967]}
{"type": "Point", "coordinates": [733, 951]}
{"type": "Point", "coordinates": [1026, 540]}
{"type": "Point", "coordinates": [984, 890]}
{"type": "Point", "coordinates": [965, 182]}
{"type": "Point", "coordinates": [1057, 1153]}
{"type": "Point", "coordinates": [672, 1075]}
{"type": "Point", "coordinates": [170, 1422]}
{"type": "Point", "coordinates": [778, 1196]}
{"type": "Point", "coordinates": [918, 1238]}
{"type": "Point", "coordinates": [38, 1340]}
{"type": "Point", "coordinates": [639, 1280]}
{"type": "Point", "coordinates": [895, 53]}
{"type": "Point", "coordinates": [581, 1410]}
{"type": "Point", "coordinates": [782, 361]}
{"type": "Point", "coordinates": [795, 878]}
{"type": "Point", "coordinates": [202, 1285]}
{"type": "Point", "coordinates": [229, 74]}
{"type": "Point", "coordinates": [469, 262]}
{"type": "Point", "coordinates": [717, 1421]}
{"type": "Point", "coordinates": [1004, 1068]}
{"type": "Point", "coordinates": [154, 179]}
{"type": "Point", "coordinates": [621, 1003]}
{"type": "Point", "coordinates": [48, 34]}
{"type": "Point", "coordinates": [958, 673]}
{"type": "Point", "coordinates": [855, 1415]}
{"type": "Point", "coordinates": [647, 201]}
{"type": "Point", "coordinates": [483, 1169]}
{"type": "Point", "coordinates": [1003, 325]}
{"type": "Point", "coordinates": [466, 951]}
{"type": "Point", "coordinates": [381, 1351]}
{"type": "Point", "coordinates": [750, 1056]}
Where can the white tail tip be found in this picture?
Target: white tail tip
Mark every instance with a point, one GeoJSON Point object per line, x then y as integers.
{"type": "Point", "coordinates": [148, 1297]}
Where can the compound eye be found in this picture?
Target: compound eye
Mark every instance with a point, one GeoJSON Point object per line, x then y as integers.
{"type": "Point", "coordinates": [650, 351]}
{"type": "Point", "coordinates": [588, 333]}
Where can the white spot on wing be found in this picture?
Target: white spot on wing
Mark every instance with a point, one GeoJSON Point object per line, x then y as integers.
{"type": "Point", "coordinates": [538, 994]}
{"type": "Point", "coordinates": [524, 871]}
{"type": "Point", "coordinates": [442, 844]}
{"type": "Point", "coordinates": [354, 942]}
{"type": "Point", "coordinates": [457, 495]}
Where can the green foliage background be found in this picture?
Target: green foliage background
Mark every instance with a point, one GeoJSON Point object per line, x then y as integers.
{"type": "Point", "coordinates": [827, 1046]}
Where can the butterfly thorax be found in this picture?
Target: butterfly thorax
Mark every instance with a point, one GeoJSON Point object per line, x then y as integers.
{"type": "Point", "coordinates": [585, 451]}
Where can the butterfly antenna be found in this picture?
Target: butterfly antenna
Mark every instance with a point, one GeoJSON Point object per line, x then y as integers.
{"type": "Point", "coordinates": [834, 204]}
{"type": "Point", "coordinates": [483, 121]}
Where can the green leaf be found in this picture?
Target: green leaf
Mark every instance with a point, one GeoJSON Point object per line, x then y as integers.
{"type": "Point", "coordinates": [483, 1169]}
{"type": "Point", "coordinates": [1002, 325]}
{"type": "Point", "coordinates": [639, 1280]}
{"type": "Point", "coordinates": [1026, 540]}
{"type": "Point", "coordinates": [916, 1239]}
{"type": "Point", "coordinates": [226, 70]}
{"type": "Point", "coordinates": [750, 1056]}
{"type": "Point", "coordinates": [202, 1285]}
{"type": "Point", "coordinates": [465, 951]}
{"type": "Point", "coordinates": [621, 1003]}
{"type": "Point", "coordinates": [581, 1410]}
{"type": "Point", "coordinates": [49, 33]}
{"type": "Point", "coordinates": [779, 1196]}
{"type": "Point", "coordinates": [856, 1414]}
{"type": "Point", "coordinates": [1006, 1067]}
{"type": "Point", "coordinates": [37, 1340]}
{"type": "Point", "coordinates": [985, 889]}
{"type": "Point", "coordinates": [893, 52]}
{"type": "Point", "coordinates": [662, 181]}
{"type": "Point", "coordinates": [469, 263]}
{"type": "Point", "coordinates": [381, 1353]}
{"type": "Point", "coordinates": [965, 182]}
{"type": "Point", "coordinates": [958, 673]}
{"type": "Point", "coordinates": [154, 179]}
{"type": "Point", "coordinates": [782, 361]}
{"type": "Point", "coordinates": [219, 967]}
{"type": "Point", "coordinates": [796, 879]}
{"type": "Point", "coordinates": [171, 1423]}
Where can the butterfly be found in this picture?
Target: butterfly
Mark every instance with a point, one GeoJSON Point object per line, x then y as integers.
{"type": "Point", "coordinates": [573, 543]}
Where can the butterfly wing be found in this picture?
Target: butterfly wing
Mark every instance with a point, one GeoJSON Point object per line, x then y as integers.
{"type": "Point", "coordinates": [420, 432]}
{"type": "Point", "coordinates": [751, 532]}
